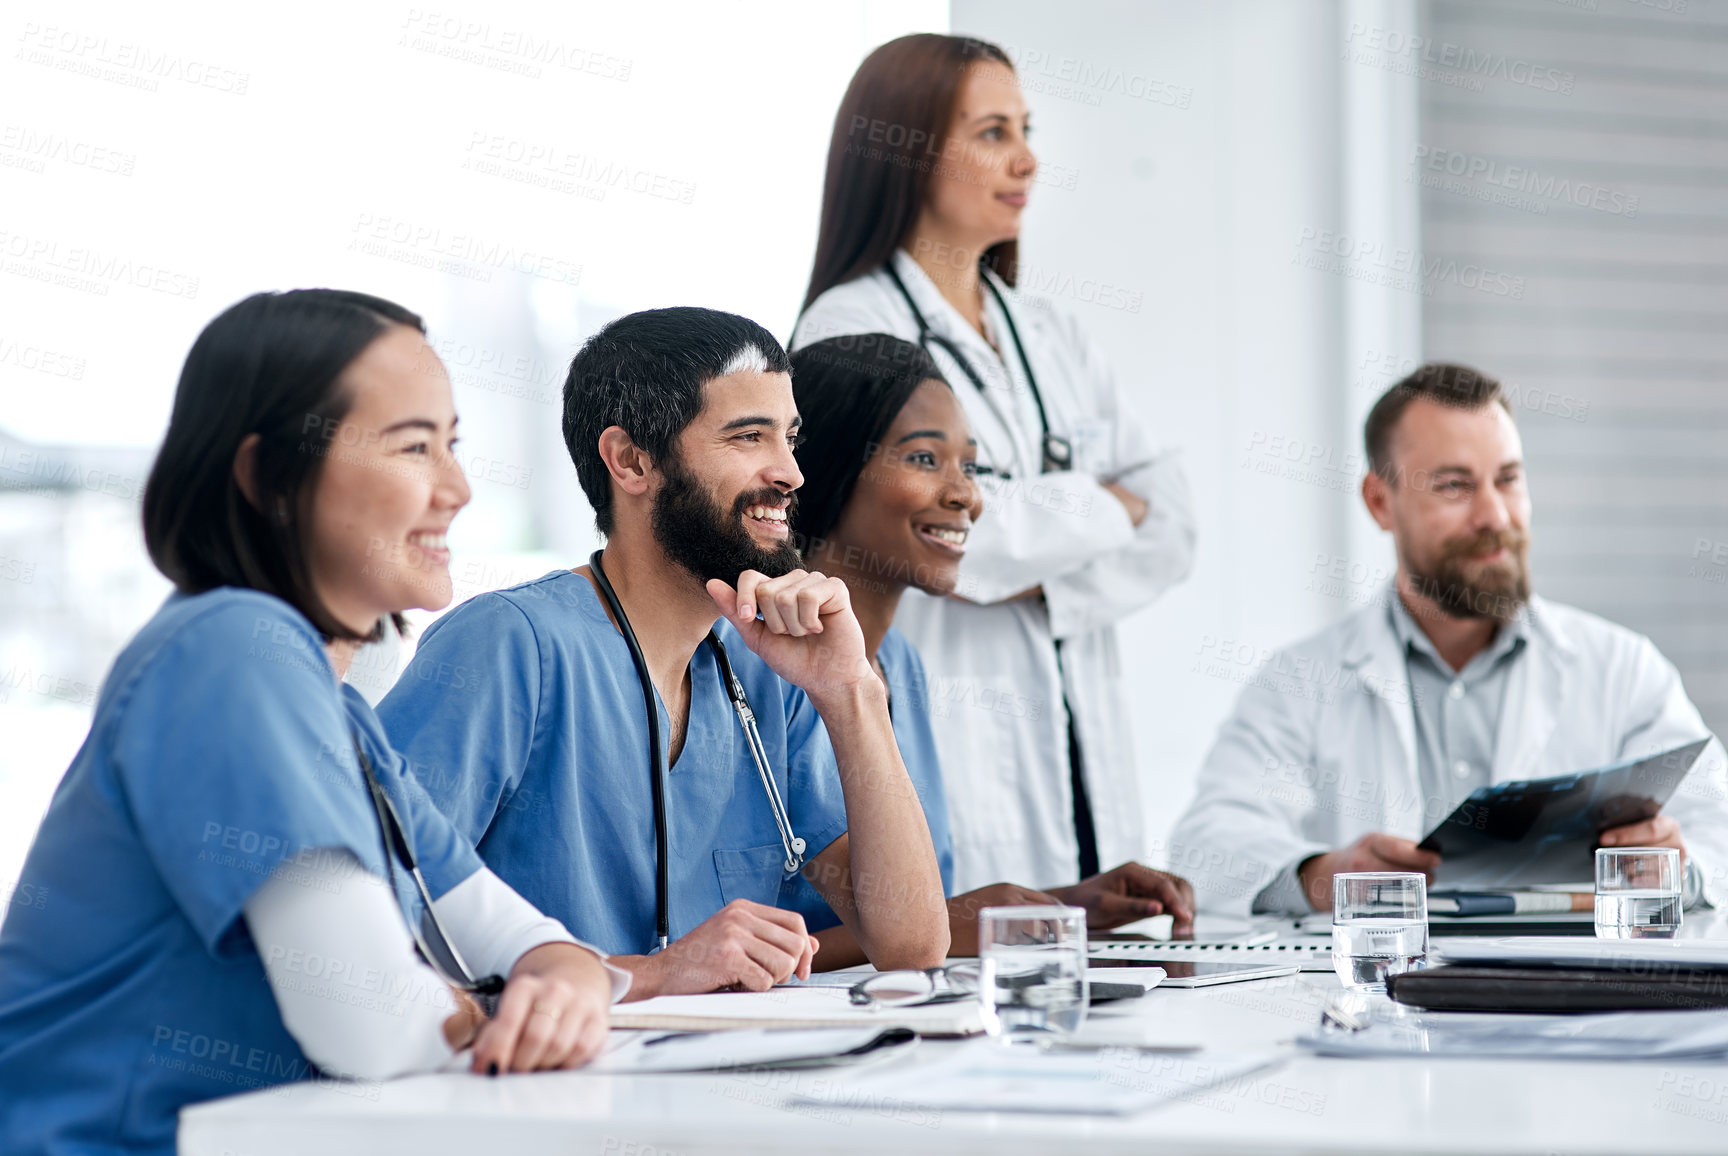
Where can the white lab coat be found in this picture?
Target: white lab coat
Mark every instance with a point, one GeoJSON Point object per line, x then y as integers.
{"type": "Point", "coordinates": [1002, 731]}
{"type": "Point", "coordinates": [1321, 747]}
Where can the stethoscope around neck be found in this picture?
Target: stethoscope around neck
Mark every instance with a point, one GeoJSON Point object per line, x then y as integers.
{"type": "Point", "coordinates": [789, 840]}
{"type": "Point", "coordinates": [1058, 452]}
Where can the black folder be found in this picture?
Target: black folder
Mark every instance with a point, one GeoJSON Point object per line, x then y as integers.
{"type": "Point", "coordinates": [1460, 987]}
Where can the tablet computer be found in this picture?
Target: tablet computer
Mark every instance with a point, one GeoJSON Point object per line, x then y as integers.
{"type": "Point", "coordinates": [1201, 973]}
{"type": "Point", "coordinates": [1539, 831]}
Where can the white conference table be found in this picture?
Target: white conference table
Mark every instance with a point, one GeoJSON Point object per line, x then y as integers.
{"type": "Point", "coordinates": [1305, 1104]}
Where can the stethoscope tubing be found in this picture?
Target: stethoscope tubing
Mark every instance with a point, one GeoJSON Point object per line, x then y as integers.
{"type": "Point", "coordinates": [1056, 450]}
{"type": "Point", "coordinates": [657, 758]}
{"type": "Point", "coordinates": [446, 959]}
{"type": "Point", "coordinates": [793, 845]}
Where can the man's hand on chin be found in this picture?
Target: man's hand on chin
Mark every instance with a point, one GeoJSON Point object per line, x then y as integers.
{"type": "Point", "coordinates": [807, 634]}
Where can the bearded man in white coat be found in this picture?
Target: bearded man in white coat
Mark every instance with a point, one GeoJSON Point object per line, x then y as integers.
{"type": "Point", "coordinates": [1456, 679]}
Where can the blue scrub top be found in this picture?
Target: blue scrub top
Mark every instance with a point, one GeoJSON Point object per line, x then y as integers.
{"type": "Point", "coordinates": [221, 754]}
{"type": "Point", "coordinates": [522, 715]}
{"type": "Point", "coordinates": [912, 707]}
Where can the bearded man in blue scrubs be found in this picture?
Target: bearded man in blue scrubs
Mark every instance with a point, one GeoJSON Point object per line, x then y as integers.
{"type": "Point", "coordinates": [523, 714]}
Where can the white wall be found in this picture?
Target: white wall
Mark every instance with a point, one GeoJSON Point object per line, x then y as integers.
{"type": "Point", "coordinates": [1208, 151]}
{"type": "Point", "coordinates": [1597, 189]}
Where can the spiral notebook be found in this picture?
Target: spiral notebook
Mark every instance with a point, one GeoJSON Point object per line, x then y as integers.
{"type": "Point", "coordinates": [1308, 954]}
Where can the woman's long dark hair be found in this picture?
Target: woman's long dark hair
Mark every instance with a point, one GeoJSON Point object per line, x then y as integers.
{"type": "Point", "coordinates": [849, 391]}
{"type": "Point", "coordinates": [270, 366]}
{"type": "Point", "coordinates": [888, 138]}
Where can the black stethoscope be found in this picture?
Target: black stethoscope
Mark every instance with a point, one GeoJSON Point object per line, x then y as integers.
{"type": "Point", "coordinates": [430, 937]}
{"type": "Point", "coordinates": [1058, 451]}
{"type": "Point", "coordinates": [657, 756]}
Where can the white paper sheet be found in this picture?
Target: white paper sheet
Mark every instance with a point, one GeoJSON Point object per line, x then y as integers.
{"type": "Point", "coordinates": [1639, 1035]}
{"type": "Point", "coordinates": [789, 1007]}
{"type": "Point", "coordinates": [1581, 951]}
{"type": "Point", "coordinates": [987, 1076]}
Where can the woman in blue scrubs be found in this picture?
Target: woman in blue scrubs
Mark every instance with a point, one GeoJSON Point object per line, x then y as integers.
{"type": "Point", "coordinates": [888, 501]}
{"type": "Point", "coordinates": [217, 916]}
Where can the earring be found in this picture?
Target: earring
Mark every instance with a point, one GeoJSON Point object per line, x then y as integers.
{"type": "Point", "coordinates": [282, 510]}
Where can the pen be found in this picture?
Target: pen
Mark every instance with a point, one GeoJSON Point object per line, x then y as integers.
{"type": "Point", "coordinates": [671, 1036]}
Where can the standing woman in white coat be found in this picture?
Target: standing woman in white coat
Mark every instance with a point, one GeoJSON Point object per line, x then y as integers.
{"type": "Point", "coordinates": [929, 171]}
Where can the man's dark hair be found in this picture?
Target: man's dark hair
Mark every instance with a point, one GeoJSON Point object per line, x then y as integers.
{"type": "Point", "coordinates": [644, 373]}
{"type": "Point", "coordinates": [270, 365]}
{"type": "Point", "coordinates": [1441, 381]}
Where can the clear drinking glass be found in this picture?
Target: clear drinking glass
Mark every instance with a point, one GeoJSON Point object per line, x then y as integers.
{"type": "Point", "coordinates": [1379, 926]}
{"type": "Point", "coordinates": [1637, 892]}
{"type": "Point", "coordinates": [1033, 971]}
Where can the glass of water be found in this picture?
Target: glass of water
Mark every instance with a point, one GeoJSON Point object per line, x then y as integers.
{"type": "Point", "coordinates": [1379, 926]}
{"type": "Point", "coordinates": [1637, 892]}
{"type": "Point", "coordinates": [1032, 974]}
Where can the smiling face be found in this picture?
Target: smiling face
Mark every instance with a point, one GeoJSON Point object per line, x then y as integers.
{"type": "Point", "coordinates": [979, 190]}
{"type": "Point", "coordinates": [724, 500]}
{"type": "Point", "coordinates": [913, 505]}
{"type": "Point", "coordinates": [388, 488]}
{"type": "Point", "coordinates": [1458, 508]}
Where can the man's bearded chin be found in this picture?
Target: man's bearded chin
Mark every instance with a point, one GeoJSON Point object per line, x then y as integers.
{"type": "Point", "coordinates": [1497, 592]}
{"type": "Point", "coordinates": [702, 538]}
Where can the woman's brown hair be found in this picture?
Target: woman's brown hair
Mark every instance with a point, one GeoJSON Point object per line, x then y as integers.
{"type": "Point", "coordinates": [889, 137]}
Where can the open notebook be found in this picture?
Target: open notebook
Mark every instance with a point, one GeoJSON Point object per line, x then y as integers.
{"type": "Point", "coordinates": [792, 1007]}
